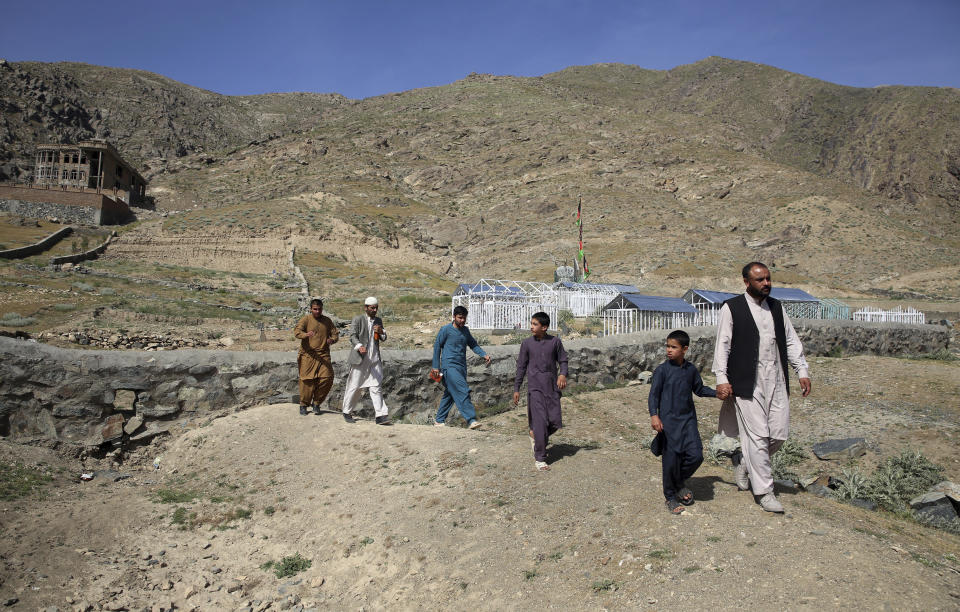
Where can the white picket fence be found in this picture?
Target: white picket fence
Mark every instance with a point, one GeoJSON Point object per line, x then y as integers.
{"type": "Point", "coordinates": [897, 315]}
{"type": "Point", "coordinates": [629, 320]}
{"type": "Point", "coordinates": [583, 303]}
{"type": "Point", "coordinates": [503, 314]}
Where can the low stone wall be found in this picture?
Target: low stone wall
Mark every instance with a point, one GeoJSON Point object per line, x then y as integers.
{"type": "Point", "coordinates": [92, 397]}
{"type": "Point", "coordinates": [37, 247]}
{"type": "Point", "coordinates": [86, 255]}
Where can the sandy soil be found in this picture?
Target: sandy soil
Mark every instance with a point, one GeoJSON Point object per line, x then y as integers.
{"type": "Point", "coordinates": [427, 518]}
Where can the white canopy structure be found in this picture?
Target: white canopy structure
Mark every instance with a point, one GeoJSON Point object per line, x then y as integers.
{"type": "Point", "coordinates": [588, 299]}
{"type": "Point", "coordinates": [798, 303]}
{"type": "Point", "coordinates": [505, 304]}
{"type": "Point", "coordinates": [633, 312]}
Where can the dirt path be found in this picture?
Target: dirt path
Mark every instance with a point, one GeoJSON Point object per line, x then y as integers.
{"type": "Point", "coordinates": [430, 518]}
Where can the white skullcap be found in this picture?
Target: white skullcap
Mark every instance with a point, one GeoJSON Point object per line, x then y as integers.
{"type": "Point", "coordinates": [370, 301]}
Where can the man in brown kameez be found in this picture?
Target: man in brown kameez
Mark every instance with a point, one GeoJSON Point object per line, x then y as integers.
{"type": "Point", "coordinates": [316, 333]}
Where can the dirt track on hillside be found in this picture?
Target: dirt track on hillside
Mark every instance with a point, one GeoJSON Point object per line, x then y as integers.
{"type": "Point", "coordinates": [419, 517]}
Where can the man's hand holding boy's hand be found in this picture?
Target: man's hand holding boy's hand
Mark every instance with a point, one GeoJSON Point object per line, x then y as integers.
{"type": "Point", "coordinates": [655, 424]}
{"type": "Point", "coordinates": [561, 382]}
{"type": "Point", "coordinates": [724, 391]}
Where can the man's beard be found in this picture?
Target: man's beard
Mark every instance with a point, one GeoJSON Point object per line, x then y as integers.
{"type": "Point", "coordinates": [757, 293]}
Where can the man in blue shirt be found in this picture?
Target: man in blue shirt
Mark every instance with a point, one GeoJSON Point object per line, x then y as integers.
{"type": "Point", "coordinates": [450, 362]}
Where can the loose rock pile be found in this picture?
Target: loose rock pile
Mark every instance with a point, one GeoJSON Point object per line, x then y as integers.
{"type": "Point", "coordinates": [117, 340]}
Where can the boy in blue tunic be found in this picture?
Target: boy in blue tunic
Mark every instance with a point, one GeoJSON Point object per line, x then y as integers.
{"type": "Point", "coordinates": [672, 414]}
{"type": "Point", "coordinates": [450, 361]}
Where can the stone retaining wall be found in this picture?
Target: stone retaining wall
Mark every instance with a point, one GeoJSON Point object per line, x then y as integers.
{"type": "Point", "coordinates": [70, 206]}
{"type": "Point", "coordinates": [92, 397]}
{"type": "Point", "coordinates": [37, 247]}
{"type": "Point", "coordinates": [86, 255]}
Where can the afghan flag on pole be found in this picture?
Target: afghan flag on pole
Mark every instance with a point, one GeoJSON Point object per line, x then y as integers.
{"type": "Point", "coordinates": [586, 268]}
{"type": "Point", "coordinates": [578, 213]}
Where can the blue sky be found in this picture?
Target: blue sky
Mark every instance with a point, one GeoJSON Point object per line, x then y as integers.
{"type": "Point", "coordinates": [361, 49]}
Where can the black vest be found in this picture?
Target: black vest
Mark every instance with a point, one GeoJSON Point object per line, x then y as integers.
{"type": "Point", "coordinates": [745, 345]}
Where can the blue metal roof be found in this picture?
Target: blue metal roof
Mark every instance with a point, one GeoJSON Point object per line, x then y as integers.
{"type": "Point", "coordinates": [714, 297]}
{"type": "Point", "coordinates": [655, 303]}
{"type": "Point", "coordinates": [783, 294]}
{"type": "Point", "coordinates": [791, 295]}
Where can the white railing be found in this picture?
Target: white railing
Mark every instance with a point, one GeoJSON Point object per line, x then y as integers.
{"type": "Point", "coordinates": [628, 320]}
{"type": "Point", "coordinates": [897, 315]}
{"type": "Point", "coordinates": [706, 315]}
{"type": "Point", "coordinates": [583, 303]}
{"type": "Point", "coordinates": [492, 313]}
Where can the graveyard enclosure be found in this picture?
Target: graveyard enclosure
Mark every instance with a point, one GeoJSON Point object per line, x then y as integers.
{"type": "Point", "coordinates": [504, 304]}
{"type": "Point", "coordinates": [633, 312]}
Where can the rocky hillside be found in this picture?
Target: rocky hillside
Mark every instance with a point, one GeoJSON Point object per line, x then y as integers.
{"type": "Point", "coordinates": [684, 173]}
{"type": "Point", "coordinates": [149, 117]}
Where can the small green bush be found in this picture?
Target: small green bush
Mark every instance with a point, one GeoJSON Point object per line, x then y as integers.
{"type": "Point", "coordinates": [174, 496]}
{"type": "Point", "coordinates": [852, 485]}
{"type": "Point", "coordinates": [83, 287]}
{"type": "Point", "coordinates": [179, 516]}
{"type": "Point", "coordinates": [13, 319]}
{"type": "Point", "coordinates": [789, 455]}
{"type": "Point", "coordinates": [64, 307]}
{"type": "Point", "coordinates": [604, 585]}
{"type": "Point", "coordinates": [287, 566]}
{"type": "Point", "coordinates": [18, 481]}
{"type": "Point", "coordinates": [899, 479]}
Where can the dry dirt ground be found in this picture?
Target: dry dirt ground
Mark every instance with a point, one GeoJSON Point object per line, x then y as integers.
{"type": "Point", "coordinates": [418, 517]}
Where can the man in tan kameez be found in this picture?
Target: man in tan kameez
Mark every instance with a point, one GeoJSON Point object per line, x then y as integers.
{"type": "Point", "coordinates": [755, 342]}
{"type": "Point", "coordinates": [316, 333]}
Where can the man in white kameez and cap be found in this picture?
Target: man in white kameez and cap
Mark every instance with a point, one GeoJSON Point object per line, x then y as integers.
{"type": "Point", "coordinates": [755, 342]}
{"type": "Point", "coordinates": [366, 368]}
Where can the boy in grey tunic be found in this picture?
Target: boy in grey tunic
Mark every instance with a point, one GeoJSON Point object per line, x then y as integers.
{"type": "Point", "coordinates": [541, 356]}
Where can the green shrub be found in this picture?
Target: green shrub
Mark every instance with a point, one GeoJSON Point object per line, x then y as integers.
{"type": "Point", "coordinates": [899, 479]}
{"type": "Point", "coordinates": [13, 319]}
{"type": "Point", "coordinates": [82, 287]}
{"type": "Point", "coordinates": [179, 516]}
{"type": "Point", "coordinates": [174, 496]}
{"type": "Point", "coordinates": [789, 455]}
{"type": "Point", "coordinates": [852, 485]}
{"type": "Point", "coordinates": [64, 307]}
{"type": "Point", "coordinates": [287, 566]}
{"type": "Point", "coordinates": [18, 481]}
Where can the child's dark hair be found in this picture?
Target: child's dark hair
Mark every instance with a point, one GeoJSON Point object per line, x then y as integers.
{"type": "Point", "coordinates": [542, 318]}
{"type": "Point", "coordinates": [680, 336]}
{"type": "Point", "coordinates": [459, 310]}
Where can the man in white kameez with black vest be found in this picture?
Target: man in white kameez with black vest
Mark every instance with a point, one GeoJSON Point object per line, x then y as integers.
{"type": "Point", "coordinates": [755, 342]}
{"type": "Point", "coordinates": [366, 368]}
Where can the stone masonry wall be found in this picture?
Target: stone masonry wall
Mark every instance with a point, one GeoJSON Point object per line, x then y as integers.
{"type": "Point", "coordinates": [87, 215]}
{"type": "Point", "coordinates": [98, 397]}
{"type": "Point", "coordinates": [68, 206]}
{"type": "Point", "coordinates": [37, 247]}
